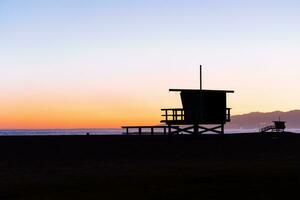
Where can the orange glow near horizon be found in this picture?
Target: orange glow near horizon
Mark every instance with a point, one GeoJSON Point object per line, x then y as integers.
{"type": "Point", "coordinates": [45, 112]}
{"type": "Point", "coordinates": [51, 114]}
{"type": "Point", "coordinates": [105, 105]}
{"type": "Point", "coordinates": [110, 108]}
{"type": "Point", "coordinates": [71, 119]}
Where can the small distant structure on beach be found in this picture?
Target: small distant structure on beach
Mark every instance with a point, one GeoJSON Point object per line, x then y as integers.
{"type": "Point", "coordinates": [279, 126]}
{"type": "Point", "coordinates": [202, 111]}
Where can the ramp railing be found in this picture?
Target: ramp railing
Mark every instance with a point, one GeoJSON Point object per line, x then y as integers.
{"type": "Point", "coordinates": [267, 128]}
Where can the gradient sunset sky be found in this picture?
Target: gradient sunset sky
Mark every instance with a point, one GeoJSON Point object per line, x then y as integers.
{"type": "Point", "coordinates": [94, 63]}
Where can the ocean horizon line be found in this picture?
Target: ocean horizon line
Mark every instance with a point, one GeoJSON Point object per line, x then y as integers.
{"type": "Point", "coordinates": [99, 131]}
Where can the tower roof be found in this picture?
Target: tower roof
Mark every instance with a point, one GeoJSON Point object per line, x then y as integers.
{"type": "Point", "coordinates": [197, 90]}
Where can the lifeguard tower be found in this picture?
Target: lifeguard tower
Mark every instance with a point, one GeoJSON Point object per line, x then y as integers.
{"type": "Point", "coordinates": [202, 111]}
{"type": "Point", "coordinates": [279, 126]}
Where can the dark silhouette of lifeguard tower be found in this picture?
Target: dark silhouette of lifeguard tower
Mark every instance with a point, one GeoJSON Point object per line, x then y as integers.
{"type": "Point", "coordinates": [202, 111]}
{"type": "Point", "coordinates": [279, 126]}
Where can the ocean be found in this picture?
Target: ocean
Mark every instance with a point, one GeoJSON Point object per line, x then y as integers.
{"type": "Point", "coordinates": [100, 131]}
{"type": "Point", "coordinates": [31, 132]}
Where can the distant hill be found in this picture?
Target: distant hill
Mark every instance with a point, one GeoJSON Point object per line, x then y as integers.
{"type": "Point", "coordinates": [259, 119]}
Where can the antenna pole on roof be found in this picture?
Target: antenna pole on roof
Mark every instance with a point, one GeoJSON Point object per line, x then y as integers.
{"type": "Point", "coordinates": [200, 77]}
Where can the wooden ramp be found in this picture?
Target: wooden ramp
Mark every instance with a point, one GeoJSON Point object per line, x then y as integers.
{"type": "Point", "coordinates": [279, 126]}
{"type": "Point", "coordinates": [267, 128]}
{"type": "Point", "coordinates": [150, 130]}
{"type": "Point", "coordinates": [271, 129]}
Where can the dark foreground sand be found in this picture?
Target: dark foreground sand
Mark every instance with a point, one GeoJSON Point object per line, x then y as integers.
{"type": "Point", "coordinates": [145, 167]}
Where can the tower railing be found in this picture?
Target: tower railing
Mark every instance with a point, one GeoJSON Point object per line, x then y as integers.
{"type": "Point", "coordinates": [228, 119]}
{"type": "Point", "coordinates": [177, 114]}
{"type": "Point", "coordinates": [173, 114]}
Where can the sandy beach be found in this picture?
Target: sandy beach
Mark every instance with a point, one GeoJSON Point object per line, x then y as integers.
{"type": "Point", "coordinates": [247, 166]}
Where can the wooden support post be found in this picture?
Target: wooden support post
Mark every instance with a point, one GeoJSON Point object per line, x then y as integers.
{"type": "Point", "coordinates": [152, 131]}
{"type": "Point", "coordinates": [222, 129]}
{"type": "Point", "coordinates": [173, 115]}
{"type": "Point", "coordinates": [166, 113]}
{"type": "Point", "coordinates": [177, 131]}
{"type": "Point", "coordinates": [127, 131]}
{"type": "Point", "coordinates": [196, 129]}
{"type": "Point", "coordinates": [165, 130]}
{"type": "Point", "coordinates": [170, 131]}
{"type": "Point", "coordinates": [140, 131]}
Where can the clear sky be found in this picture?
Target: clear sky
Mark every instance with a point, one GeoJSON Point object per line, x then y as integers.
{"type": "Point", "coordinates": [94, 63]}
